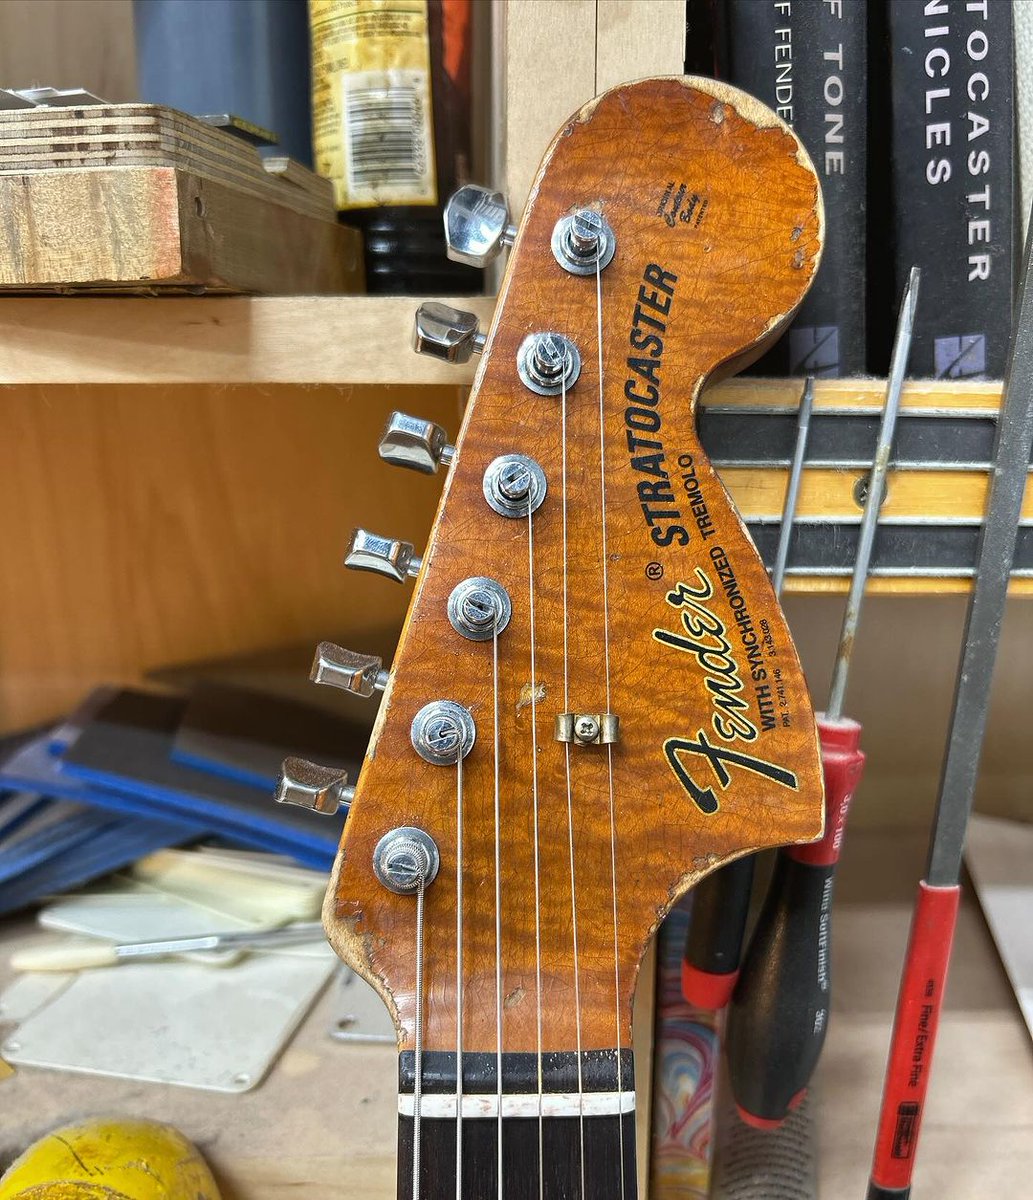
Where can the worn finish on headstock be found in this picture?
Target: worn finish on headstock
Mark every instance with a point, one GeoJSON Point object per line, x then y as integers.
{"type": "Point", "coordinates": [718, 220]}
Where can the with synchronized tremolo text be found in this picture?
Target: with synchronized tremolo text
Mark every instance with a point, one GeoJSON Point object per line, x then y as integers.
{"type": "Point", "coordinates": [580, 720]}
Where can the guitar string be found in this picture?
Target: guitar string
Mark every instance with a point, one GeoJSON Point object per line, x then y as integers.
{"type": "Point", "coordinates": [570, 802]}
{"type": "Point", "coordinates": [498, 900]}
{"type": "Point", "coordinates": [609, 748]}
{"type": "Point", "coordinates": [459, 976]}
{"type": "Point", "coordinates": [537, 859]}
{"type": "Point", "coordinates": [417, 1099]}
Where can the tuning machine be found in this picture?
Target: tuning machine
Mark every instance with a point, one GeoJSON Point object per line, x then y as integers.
{"type": "Point", "coordinates": [448, 333]}
{"type": "Point", "coordinates": [360, 674]}
{"type": "Point", "coordinates": [414, 443]}
{"type": "Point", "coordinates": [385, 556]}
{"type": "Point", "coordinates": [477, 225]}
{"type": "Point", "coordinates": [307, 784]}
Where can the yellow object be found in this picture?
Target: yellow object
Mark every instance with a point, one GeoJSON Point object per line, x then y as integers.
{"type": "Point", "coordinates": [110, 1159]}
{"type": "Point", "coordinates": [372, 123]}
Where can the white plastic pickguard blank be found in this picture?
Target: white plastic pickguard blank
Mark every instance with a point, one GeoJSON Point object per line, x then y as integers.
{"type": "Point", "coordinates": [175, 1022]}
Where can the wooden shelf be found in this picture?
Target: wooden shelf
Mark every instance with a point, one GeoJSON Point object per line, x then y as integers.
{"type": "Point", "coordinates": [320, 339]}
{"type": "Point", "coordinates": [232, 339]}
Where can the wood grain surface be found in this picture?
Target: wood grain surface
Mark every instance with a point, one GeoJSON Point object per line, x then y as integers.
{"type": "Point", "coordinates": [720, 284]}
{"type": "Point", "coordinates": [162, 229]}
{"type": "Point", "coordinates": [145, 527]}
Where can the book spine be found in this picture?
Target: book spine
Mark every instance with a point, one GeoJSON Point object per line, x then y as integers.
{"type": "Point", "coordinates": [952, 144]}
{"type": "Point", "coordinates": [807, 59]}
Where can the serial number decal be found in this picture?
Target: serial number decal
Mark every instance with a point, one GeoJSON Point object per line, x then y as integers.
{"type": "Point", "coordinates": [705, 636]}
{"type": "Point", "coordinates": [643, 420]}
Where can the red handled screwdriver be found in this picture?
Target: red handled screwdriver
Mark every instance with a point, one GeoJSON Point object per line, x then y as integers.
{"type": "Point", "coordinates": [932, 927]}
{"type": "Point", "coordinates": [779, 1010]}
{"type": "Point", "coordinates": [721, 901]}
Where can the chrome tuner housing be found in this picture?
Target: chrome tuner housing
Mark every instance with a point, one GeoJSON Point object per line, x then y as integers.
{"type": "Point", "coordinates": [477, 225]}
{"type": "Point", "coordinates": [308, 785]}
{"type": "Point", "coordinates": [445, 332]}
{"type": "Point", "coordinates": [415, 443]}
{"type": "Point", "coordinates": [384, 556]}
{"type": "Point", "coordinates": [360, 674]}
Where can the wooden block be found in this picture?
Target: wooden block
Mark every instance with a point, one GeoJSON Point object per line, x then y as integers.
{"type": "Point", "coordinates": [547, 51]}
{"type": "Point", "coordinates": [137, 135]}
{"type": "Point", "coordinates": [635, 40]}
{"type": "Point", "coordinates": [146, 229]}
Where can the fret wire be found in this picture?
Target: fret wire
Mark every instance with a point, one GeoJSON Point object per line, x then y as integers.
{"type": "Point", "coordinates": [609, 748]}
{"type": "Point", "coordinates": [459, 977]}
{"type": "Point", "coordinates": [537, 858]}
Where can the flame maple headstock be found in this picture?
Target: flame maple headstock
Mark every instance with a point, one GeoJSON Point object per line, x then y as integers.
{"type": "Point", "coordinates": [717, 216]}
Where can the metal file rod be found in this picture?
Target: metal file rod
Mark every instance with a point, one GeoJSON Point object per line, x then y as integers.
{"type": "Point", "coordinates": [876, 487]}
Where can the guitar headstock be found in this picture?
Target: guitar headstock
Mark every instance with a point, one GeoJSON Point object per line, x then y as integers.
{"type": "Point", "coordinates": [613, 662]}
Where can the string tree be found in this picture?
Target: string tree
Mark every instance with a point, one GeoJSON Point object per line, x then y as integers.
{"type": "Point", "coordinates": [416, 444]}
{"type": "Point", "coordinates": [588, 729]}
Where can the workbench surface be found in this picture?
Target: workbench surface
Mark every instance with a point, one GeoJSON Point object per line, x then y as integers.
{"type": "Point", "coordinates": [322, 1124]}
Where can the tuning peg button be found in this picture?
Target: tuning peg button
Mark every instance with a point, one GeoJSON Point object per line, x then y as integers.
{"type": "Point", "coordinates": [386, 556]}
{"type": "Point", "coordinates": [360, 674]}
{"type": "Point", "coordinates": [308, 785]}
{"type": "Point", "coordinates": [446, 332]}
{"type": "Point", "coordinates": [477, 225]}
{"type": "Point", "coordinates": [414, 443]}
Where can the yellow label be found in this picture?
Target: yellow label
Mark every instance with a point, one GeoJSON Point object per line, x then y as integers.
{"type": "Point", "coordinates": [372, 122]}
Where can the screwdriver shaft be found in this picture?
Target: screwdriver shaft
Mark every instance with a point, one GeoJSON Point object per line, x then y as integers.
{"type": "Point", "coordinates": [873, 503]}
{"type": "Point", "coordinates": [792, 496]}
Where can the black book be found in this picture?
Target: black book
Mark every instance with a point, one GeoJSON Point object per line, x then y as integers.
{"type": "Point", "coordinates": [952, 139]}
{"type": "Point", "coordinates": [807, 59]}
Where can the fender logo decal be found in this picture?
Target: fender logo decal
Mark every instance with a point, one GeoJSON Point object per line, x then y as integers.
{"type": "Point", "coordinates": [704, 636]}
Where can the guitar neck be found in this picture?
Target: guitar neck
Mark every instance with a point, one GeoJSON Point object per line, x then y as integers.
{"type": "Point", "coordinates": [574, 1135]}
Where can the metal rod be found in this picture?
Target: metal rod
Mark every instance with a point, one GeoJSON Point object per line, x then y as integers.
{"type": "Point", "coordinates": [306, 931]}
{"type": "Point", "coordinates": [785, 534]}
{"type": "Point", "coordinates": [876, 492]}
{"type": "Point", "coordinates": [994, 559]}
